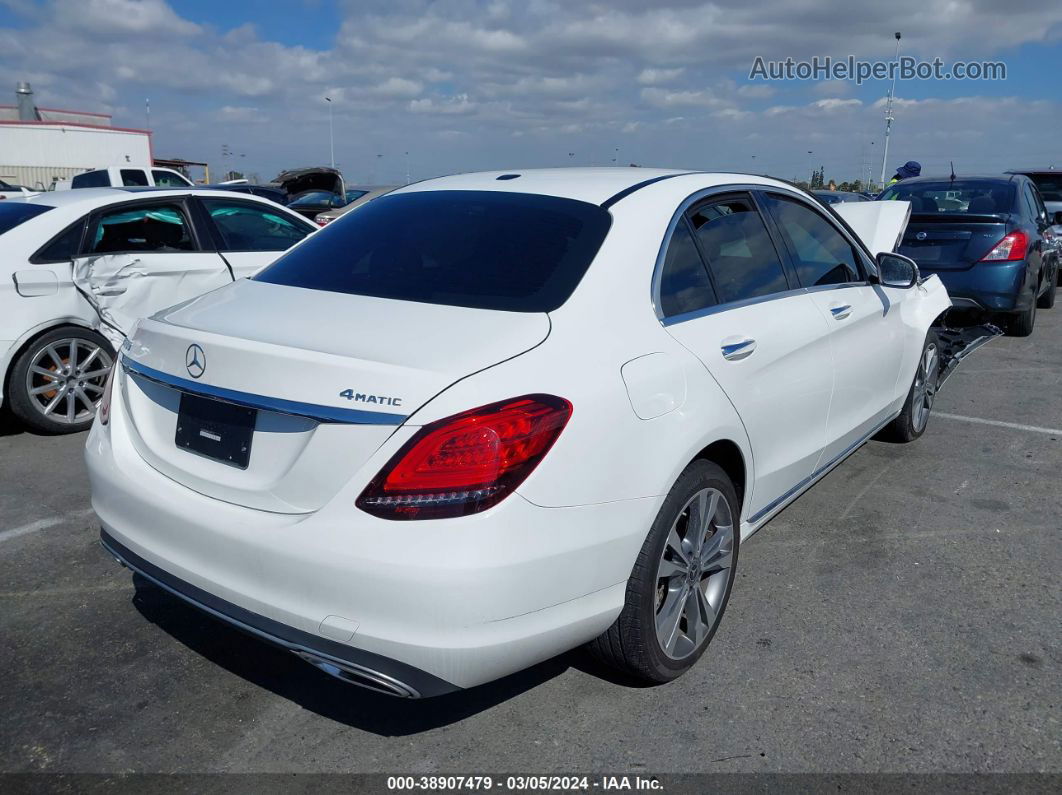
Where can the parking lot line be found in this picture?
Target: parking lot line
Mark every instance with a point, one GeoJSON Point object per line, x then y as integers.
{"type": "Point", "coordinates": [42, 524]}
{"type": "Point", "coordinates": [1017, 426]}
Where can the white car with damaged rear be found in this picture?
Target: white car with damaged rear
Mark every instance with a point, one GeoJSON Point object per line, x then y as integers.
{"type": "Point", "coordinates": [79, 267]}
{"type": "Point", "coordinates": [490, 417]}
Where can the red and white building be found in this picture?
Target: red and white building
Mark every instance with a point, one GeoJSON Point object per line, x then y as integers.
{"type": "Point", "coordinates": [41, 146]}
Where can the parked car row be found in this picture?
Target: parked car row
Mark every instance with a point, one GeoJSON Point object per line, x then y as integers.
{"type": "Point", "coordinates": [536, 409]}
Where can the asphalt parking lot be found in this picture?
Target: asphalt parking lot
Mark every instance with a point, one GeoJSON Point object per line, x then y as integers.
{"type": "Point", "coordinates": [903, 616]}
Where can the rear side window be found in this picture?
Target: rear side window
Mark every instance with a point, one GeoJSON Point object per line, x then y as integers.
{"type": "Point", "coordinates": [820, 253]}
{"type": "Point", "coordinates": [64, 247]}
{"type": "Point", "coordinates": [247, 227]}
{"type": "Point", "coordinates": [483, 249]}
{"type": "Point", "coordinates": [92, 179]}
{"type": "Point", "coordinates": [13, 213]}
{"type": "Point", "coordinates": [134, 177]}
{"type": "Point", "coordinates": [740, 252]}
{"type": "Point", "coordinates": [161, 228]}
{"type": "Point", "coordinates": [684, 284]}
{"type": "Point", "coordinates": [168, 179]}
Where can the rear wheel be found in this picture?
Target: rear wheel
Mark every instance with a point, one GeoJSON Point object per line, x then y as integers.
{"type": "Point", "coordinates": [1047, 300]}
{"type": "Point", "coordinates": [57, 382]}
{"type": "Point", "coordinates": [681, 581]}
{"type": "Point", "coordinates": [1021, 325]}
{"type": "Point", "coordinates": [914, 416]}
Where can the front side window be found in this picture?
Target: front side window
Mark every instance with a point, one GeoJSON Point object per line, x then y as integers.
{"type": "Point", "coordinates": [820, 253]}
{"type": "Point", "coordinates": [161, 228]}
{"type": "Point", "coordinates": [247, 227]}
{"type": "Point", "coordinates": [684, 284]}
{"type": "Point", "coordinates": [740, 253]}
{"type": "Point", "coordinates": [484, 249]}
{"type": "Point", "coordinates": [134, 177]}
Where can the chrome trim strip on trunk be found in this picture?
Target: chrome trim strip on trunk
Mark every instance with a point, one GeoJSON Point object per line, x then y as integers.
{"type": "Point", "coordinates": [311, 411]}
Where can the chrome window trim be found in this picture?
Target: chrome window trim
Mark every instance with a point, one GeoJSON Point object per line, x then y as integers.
{"type": "Point", "coordinates": [313, 411]}
{"type": "Point", "coordinates": [718, 190]}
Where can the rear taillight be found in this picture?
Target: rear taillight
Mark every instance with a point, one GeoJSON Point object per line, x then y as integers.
{"type": "Point", "coordinates": [1012, 247]}
{"type": "Point", "coordinates": [468, 462]}
{"type": "Point", "coordinates": [105, 401]}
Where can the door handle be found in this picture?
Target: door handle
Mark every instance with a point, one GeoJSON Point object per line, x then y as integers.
{"type": "Point", "coordinates": [841, 312]}
{"type": "Point", "coordinates": [736, 351]}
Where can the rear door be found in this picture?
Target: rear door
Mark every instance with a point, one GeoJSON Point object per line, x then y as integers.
{"type": "Point", "coordinates": [866, 329]}
{"type": "Point", "coordinates": [251, 234]}
{"type": "Point", "coordinates": [763, 341]}
{"type": "Point", "coordinates": [140, 257]}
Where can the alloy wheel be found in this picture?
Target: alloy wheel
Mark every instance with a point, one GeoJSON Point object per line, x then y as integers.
{"type": "Point", "coordinates": [693, 573]}
{"type": "Point", "coordinates": [925, 386]}
{"type": "Point", "coordinates": [66, 378]}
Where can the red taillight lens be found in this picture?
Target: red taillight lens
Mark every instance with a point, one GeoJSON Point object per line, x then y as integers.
{"type": "Point", "coordinates": [1013, 247]}
{"type": "Point", "coordinates": [105, 401]}
{"type": "Point", "coordinates": [468, 462]}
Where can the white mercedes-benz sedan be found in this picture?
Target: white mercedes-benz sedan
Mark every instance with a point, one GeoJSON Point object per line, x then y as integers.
{"type": "Point", "coordinates": [490, 417]}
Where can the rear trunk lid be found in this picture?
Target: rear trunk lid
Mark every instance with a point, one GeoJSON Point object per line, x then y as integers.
{"type": "Point", "coordinates": [939, 242]}
{"type": "Point", "coordinates": [329, 376]}
{"type": "Point", "coordinates": [301, 180]}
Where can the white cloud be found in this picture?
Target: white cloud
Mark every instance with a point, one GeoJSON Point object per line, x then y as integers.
{"type": "Point", "coordinates": [653, 77]}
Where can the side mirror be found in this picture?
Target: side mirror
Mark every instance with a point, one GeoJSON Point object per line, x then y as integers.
{"type": "Point", "coordinates": [896, 270]}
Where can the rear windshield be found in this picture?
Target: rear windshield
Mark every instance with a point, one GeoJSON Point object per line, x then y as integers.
{"type": "Point", "coordinates": [13, 213]}
{"type": "Point", "coordinates": [1050, 186]}
{"type": "Point", "coordinates": [483, 249]}
{"type": "Point", "coordinates": [962, 197]}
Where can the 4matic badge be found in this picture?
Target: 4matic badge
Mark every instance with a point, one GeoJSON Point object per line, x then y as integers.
{"type": "Point", "coordinates": [361, 397]}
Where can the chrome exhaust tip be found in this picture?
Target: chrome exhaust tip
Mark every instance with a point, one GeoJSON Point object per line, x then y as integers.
{"type": "Point", "coordinates": [357, 675]}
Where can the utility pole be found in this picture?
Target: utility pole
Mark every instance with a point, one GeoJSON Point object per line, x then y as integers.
{"type": "Point", "coordinates": [331, 135]}
{"type": "Point", "coordinates": [888, 110]}
{"type": "Point", "coordinates": [147, 110]}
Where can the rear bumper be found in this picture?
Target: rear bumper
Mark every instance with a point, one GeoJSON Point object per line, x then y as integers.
{"type": "Point", "coordinates": [342, 661]}
{"type": "Point", "coordinates": [433, 605]}
{"type": "Point", "coordinates": [992, 287]}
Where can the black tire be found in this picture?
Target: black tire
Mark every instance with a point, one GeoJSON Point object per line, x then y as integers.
{"type": "Point", "coordinates": [1047, 300]}
{"type": "Point", "coordinates": [631, 644]}
{"type": "Point", "coordinates": [1021, 325]}
{"type": "Point", "coordinates": [912, 422]}
{"type": "Point", "coordinates": [29, 408]}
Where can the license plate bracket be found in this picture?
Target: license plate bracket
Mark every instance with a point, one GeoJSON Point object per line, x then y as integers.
{"type": "Point", "coordinates": [215, 429]}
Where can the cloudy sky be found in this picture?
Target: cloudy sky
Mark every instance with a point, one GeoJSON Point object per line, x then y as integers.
{"type": "Point", "coordinates": [468, 84]}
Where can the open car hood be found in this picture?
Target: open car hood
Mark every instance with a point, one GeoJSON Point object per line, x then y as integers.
{"type": "Point", "coordinates": [879, 224]}
{"type": "Point", "coordinates": [300, 180]}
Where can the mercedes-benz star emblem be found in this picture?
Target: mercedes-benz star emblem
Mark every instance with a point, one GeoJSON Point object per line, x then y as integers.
{"type": "Point", "coordinates": [921, 236]}
{"type": "Point", "coordinates": [195, 361]}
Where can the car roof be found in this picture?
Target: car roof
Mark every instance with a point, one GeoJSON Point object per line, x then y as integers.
{"type": "Point", "coordinates": [959, 178]}
{"type": "Point", "coordinates": [593, 185]}
{"type": "Point", "coordinates": [102, 196]}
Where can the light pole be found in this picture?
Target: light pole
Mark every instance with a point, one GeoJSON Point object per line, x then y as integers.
{"type": "Point", "coordinates": [407, 168]}
{"type": "Point", "coordinates": [888, 109]}
{"type": "Point", "coordinates": [331, 136]}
